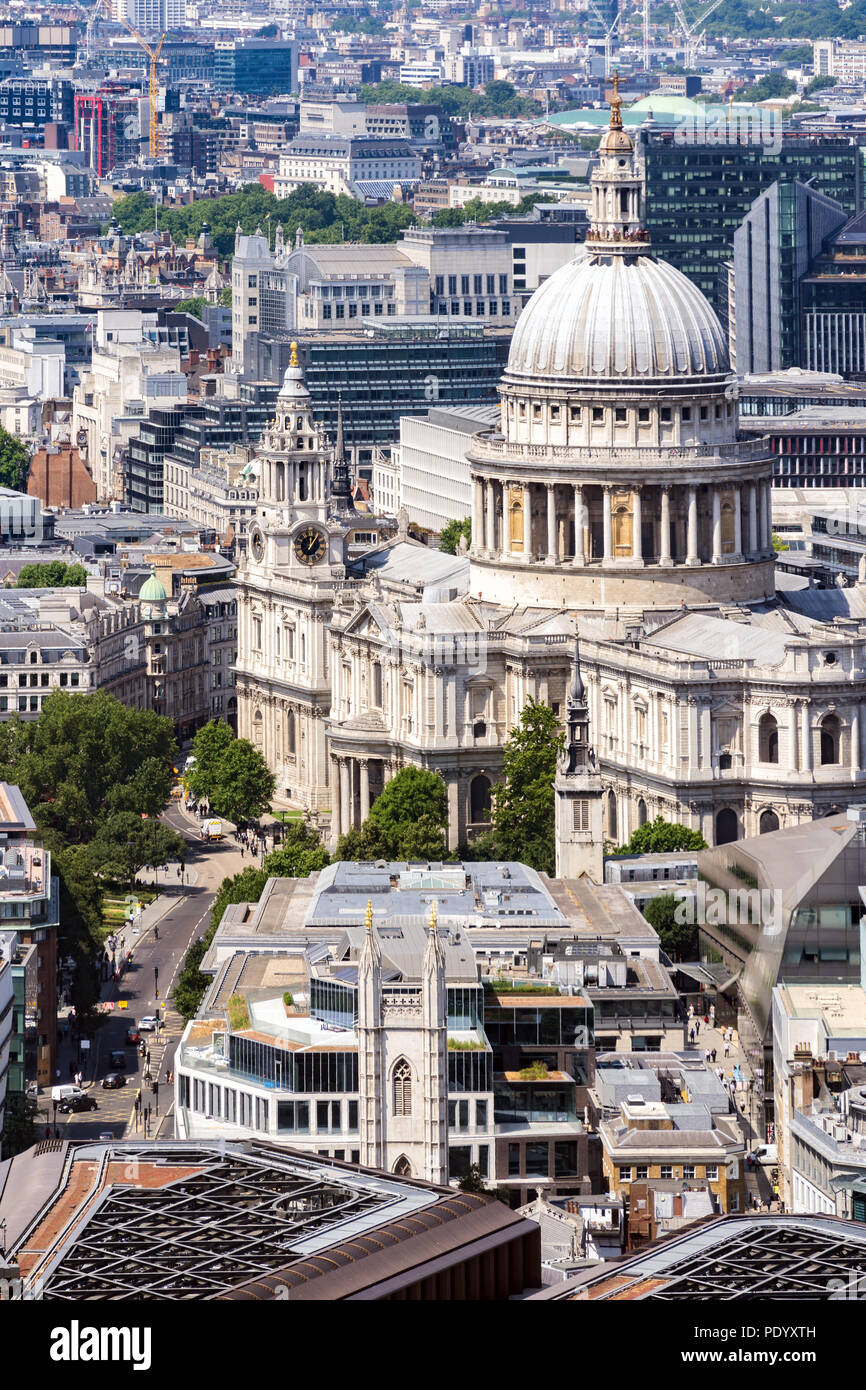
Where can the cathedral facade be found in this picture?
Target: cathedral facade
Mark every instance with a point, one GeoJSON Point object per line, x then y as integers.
{"type": "Point", "coordinates": [616, 502]}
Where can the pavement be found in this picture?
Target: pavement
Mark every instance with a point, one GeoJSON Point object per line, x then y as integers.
{"type": "Point", "coordinates": [181, 912]}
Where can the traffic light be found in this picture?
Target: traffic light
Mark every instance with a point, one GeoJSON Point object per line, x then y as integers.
{"type": "Point", "coordinates": [156, 982]}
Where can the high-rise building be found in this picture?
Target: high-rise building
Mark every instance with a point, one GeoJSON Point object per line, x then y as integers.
{"type": "Point", "coordinates": [697, 195]}
{"type": "Point", "coordinates": [152, 16]}
{"type": "Point", "coordinates": [783, 231]}
{"type": "Point", "coordinates": [261, 66]}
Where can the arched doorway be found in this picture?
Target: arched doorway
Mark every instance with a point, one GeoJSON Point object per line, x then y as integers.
{"type": "Point", "coordinates": [727, 826]}
{"type": "Point", "coordinates": [479, 799]}
{"type": "Point", "coordinates": [768, 822]}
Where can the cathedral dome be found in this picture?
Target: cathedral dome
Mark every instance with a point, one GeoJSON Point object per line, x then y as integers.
{"type": "Point", "coordinates": [621, 318]}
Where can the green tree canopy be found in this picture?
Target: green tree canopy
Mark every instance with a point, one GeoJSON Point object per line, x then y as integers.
{"type": "Point", "coordinates": [14, 461]}
{"type": "Point", "coordinates": [407, 821]}
{"type": "Point", "coordinates": [194, 306]}
{"type": "Point", "coordinates": [662, 837]}
{"type": "Point", "coordinates": [679, 939]}
{"type": "Point", "coordinates": [51, 574]}
{"type": "Point", "coordinates": [523, 812]}
{"type": "Point", "coordinates": [124, 843]}
{"type": "Point", "coordinates": [244, 784]}
{"type": "Point", "coordinates": [775, 84]}
{"type": "Point", "coordinates": [301, 853]}
{"type": "Point", "coordinates": [449, 537]}
{"type": "Point", "coordinates": [208, 746]}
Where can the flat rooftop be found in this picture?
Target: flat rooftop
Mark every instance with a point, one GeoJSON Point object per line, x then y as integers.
{"type": "Point", "coordinates": [841, 1008]}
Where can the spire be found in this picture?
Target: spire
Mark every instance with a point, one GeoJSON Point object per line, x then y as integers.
{"type": "Point", "coordinates": [341, 485]}
{"type": "Point", "coordinates": [616, 105]}
{"type": "Point", "coordinates": [434, 956]}
{"type": "Point", "coordinates": [576, 694]}
{"type": "Point", "coordinates": [368, 915]}
{"type": "Point", "coordinates": [577, 753]}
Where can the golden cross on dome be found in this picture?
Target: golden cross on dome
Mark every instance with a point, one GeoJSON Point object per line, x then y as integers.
{"type": "Point", "coordinates": [615, 104]}
{"type": "Point", "coordinates": [293, 360]}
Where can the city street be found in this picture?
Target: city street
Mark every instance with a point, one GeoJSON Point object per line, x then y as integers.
{"type": "Point", "coordinates": [180, 914]}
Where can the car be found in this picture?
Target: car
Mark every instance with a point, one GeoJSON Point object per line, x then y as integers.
{"type": "Point", "coordinates": [113, 1081]}
{"type": "Point", "coordinates": [76, 1104]}
{"type": "Point", "coordinates": [105, 1136]}
{"type": "Point", "coordinates": [765, 1154]}
{"type": "Point", "coordinates": [117, 1060]}
{"type": "Point", "coordinates": [133, 1037]}
{"type": "Point", "coordinates": [148, 1024]}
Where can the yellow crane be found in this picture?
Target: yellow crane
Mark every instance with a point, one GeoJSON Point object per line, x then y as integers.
{"type": "Point", "coordinates": [153, 90]}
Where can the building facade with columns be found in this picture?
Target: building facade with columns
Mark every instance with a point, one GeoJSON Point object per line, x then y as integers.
{"type": "Point", "coordinates": [616, 500]}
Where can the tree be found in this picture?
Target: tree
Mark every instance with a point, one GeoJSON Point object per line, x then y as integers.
{"type": "Point", "coordinates": [244, 784]}
{"type": "Point", "coordinates": [450, 534]}
{"type": "Point", "coordinates": [300, 854]}
{"type": "Point", "coordinates": [407, 821]}
{"type": "Point", "coordinates": [679, 939]}
{"type": "Point", "coordinates": [779, 544]}
{"type": "Point", "coordinates": [194, 306]}
{"type": "Point", "coordinates": [818, 84]}
{"type": "Point", "coordinates": [523, 809]}
{"type": "Point", "coordinates": [124, 843]}
{"type": "Point", "coordinates": [19, 1125]}
{"type": "Point", "coordinates": [14, 461]}
{"type": "Point", "coordinates": [662, 837]}
{"type": "Point", "coordinates": [473, 1179]}
{"type": "Point", "coordinates": [55, 574]}
{"type": "Point", "coordinates": [210, 743]}
{"type": "Point", "coordinates": [775, 84]}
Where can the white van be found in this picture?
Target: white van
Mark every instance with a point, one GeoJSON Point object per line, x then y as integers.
{"type": "Point", "coordinates": [212, 830]}
{"type": "Point", "coordinates": [66, 1093]}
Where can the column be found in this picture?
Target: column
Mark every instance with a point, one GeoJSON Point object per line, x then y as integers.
{"type": "Point", "coordinates": [692, 556]}
{"type": "Point", "coordinates": [347, 817]}
{"type": "Point", "coordinates": [665, 528]}
{"type": "Point", "coordinates": [753, 518]}
{"type": "Point", "coordinates": [706, 737]}
{"type": "Point", "coordinates": [792, 736]}
{"type": "Point", "coordinates": [637, 528]}
{"type": "Point", "coordinates": [807, 737]}
{"type": "Point", "coordinates": [579, 553]}
{"type": "Point", "coordinates": [693, 733]}
{"type": "Point", "coordinates": [451, 705]}
{"type": "Point", "coordinates": [855, 742]}
{"type": "Point", "coordinates": [738, 523]}
{"type": "Point", "coordinates": [550, 558]}
{"type": "Point", "coordinates": [336, 799]}
{"type": "Point", "coordinates": [489, 515]}
{"type": "Point", "coordinates": [527, 522]}
{"type": "Point", "coordinates": [477, 513]}
{"type": "Point", "coordinates": [365, 788]}
{"type": "Point", "coordinates": [608, 527]}
{"type": "Point", "coordinates": [717, 526]}
{"type": "Point", "coordinates": [764, 541]}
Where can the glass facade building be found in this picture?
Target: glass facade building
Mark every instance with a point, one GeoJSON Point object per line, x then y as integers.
{"type": "Point", "coordinates": [260, 66]}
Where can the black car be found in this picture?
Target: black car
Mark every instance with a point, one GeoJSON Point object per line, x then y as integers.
{"type": "Point", "coordinates": [113, 1081]}
{"type": "Point", "coordinates": [118, 1060]}
{"type": "Point", "coordinates": [76, 1103]}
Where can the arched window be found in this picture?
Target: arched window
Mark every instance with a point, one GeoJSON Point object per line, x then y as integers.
{"type": "Point", "coordinates": [830, 738]}
{"type": "Point", "coordinates": [768, 739]}
{"type": "Point", "coordinates": [727, 827]}
{"type": "Point", "coordinates": [290, 731]}
{"type": "Point", "coordinates": [768, 823]}
{"type": "Point", "coordinates": [402, 1080]}
{"type": "Point", "coordinates": [403, 1168]}
{"type": "Point", "coordinates": [611, 816]}
{"type": "Point", "coordinates": [258, 734]}
{"type": "Point", "coordinates": [641, 812]}
{"type": "Point", "coordinates": [479, 800]}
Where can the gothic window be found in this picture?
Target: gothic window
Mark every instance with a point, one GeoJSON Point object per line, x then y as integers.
{"type": "Point", "coordinates": [768, 739]}
{"type": "Point", "coordinates": [402, 1081]}
{"type": "Point", "coordinates": [403, 1168]}
{"type": "Point", "coordinates": [830, 740]}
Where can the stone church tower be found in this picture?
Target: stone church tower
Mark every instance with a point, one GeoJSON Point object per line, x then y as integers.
{"type": "Point", "coordinates": [578, 791]}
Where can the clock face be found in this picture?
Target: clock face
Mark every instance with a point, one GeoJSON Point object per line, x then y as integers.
{"type": "Point", "coordinates": [310, 546]}
{"type": "Point", "coordinates": [257, 544]}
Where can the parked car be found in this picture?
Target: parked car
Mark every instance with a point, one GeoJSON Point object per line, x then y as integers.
{"type": "Point", "coordinates": [64, 1092]}
{"type": "Point", "coordinates": [113, 1081]}
{"type": "Point", "coordinates": [105, 1135]}
{"type": "Point", "coordinates": [132, 1035]}
{"type": "Point", "coordinates": [77, 1103]}
{"type": "Point", "coordinates": [148, 1024]}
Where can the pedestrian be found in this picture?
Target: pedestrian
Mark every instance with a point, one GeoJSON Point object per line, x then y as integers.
{"type": "Point", "coordinates": [727, 1048]}
{"type": "Point", "coordinates": [713, 1055]}
{"type": "Point", "coordinates": [707, 1056]}
{"type": "Point", "coordinates": [697, 1027]}
{"type": "Point", "coordinates": [47, 1131]}
{"type": "Point", "coordinates": [242, 851]}
{"type": "Point", "coordinates": [691, 1035]}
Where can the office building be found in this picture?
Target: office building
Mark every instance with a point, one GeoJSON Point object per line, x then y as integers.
{"type": "Point", "coordinates": [844, 59]}
{"type": "Point", "coordinates": [698, 194]}
{"type": "Point", "coordinates": [34, 102]}
{"type": "Point", "coordinates": [356, 165]}
{"type": "Point", "coordinates": [818, 446]}
{"type": "Point", "coordinates": [259, 67]}
{"type": "Point", "coordinates": [432, 468]}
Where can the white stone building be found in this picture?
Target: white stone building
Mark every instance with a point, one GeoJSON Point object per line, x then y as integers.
{"type": "Point", "coordinates": [616, 499]}
{"type": "Point", "coordinates": [339, 163]}
{"type": "Point", "coordinates": [434, 483]}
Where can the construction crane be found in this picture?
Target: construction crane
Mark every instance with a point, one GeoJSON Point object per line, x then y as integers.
{"type": "Point", "coordinates": [90, 31]}
{"type": "Point", "coordinates": [608, 35]}
{"type": "Point", "coordinates": [693, 39]}
{"type": "Point", "coordinates": [153, 88]}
